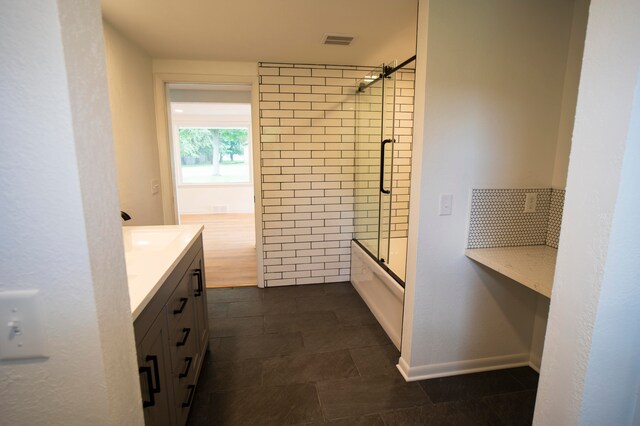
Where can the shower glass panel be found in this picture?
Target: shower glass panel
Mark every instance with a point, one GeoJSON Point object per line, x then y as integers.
{"type": "Point", "coordinates": [367, 162]}
{"type": "Point", "coordinates": [386, 165]}
{"type": "Point", "coordinates": [375, 152]}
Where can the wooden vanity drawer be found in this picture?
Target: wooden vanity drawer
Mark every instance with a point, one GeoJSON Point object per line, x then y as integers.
{"type": "Point", "coordinates": [185, 391]}
{"type": "Point", "coordinates": [185, 359]}
{"type": "Point", "coordinates": [183, 337]}
{"type": "Point", "coordinates": [180, 304]}
{"type": "Point", "coordinates": [180, 356]}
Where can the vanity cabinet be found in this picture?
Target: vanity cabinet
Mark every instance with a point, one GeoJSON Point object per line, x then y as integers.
{"type": "Point", "coordinates": [200, 299]}
{"type": "Point", "coordinates": [172, 337]}
{"type": "Point", "coordinates": [153, 361]}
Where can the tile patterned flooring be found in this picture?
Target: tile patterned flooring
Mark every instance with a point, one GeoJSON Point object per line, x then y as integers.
{"type": "Point", "coordinates": [315, 355]}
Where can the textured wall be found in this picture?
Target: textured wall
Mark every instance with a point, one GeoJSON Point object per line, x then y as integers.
{"type": "Point", "coordinates": [590, 373]}
{"type": "Point", "coordinates": [60, 224]}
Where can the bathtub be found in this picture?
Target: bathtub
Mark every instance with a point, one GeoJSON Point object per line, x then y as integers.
{"type": "Point", "coordinates": [382, 293]}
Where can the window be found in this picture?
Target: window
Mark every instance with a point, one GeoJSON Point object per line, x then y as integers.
{"type": "Point", "coordinates": [214, 155]}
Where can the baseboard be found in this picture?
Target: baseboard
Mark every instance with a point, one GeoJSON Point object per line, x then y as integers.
{"type": "Point", "coordinates": [403, 367]}
{"type": "Point", "coordinates": [535, 362]}
{"type": "Point", "coordinates": [194, 212]}
{"type": "Point", "coordinates": [456, 368]}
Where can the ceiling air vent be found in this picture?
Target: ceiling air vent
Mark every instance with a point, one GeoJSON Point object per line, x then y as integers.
{"type": "Point", "coordinates": [338, 39]}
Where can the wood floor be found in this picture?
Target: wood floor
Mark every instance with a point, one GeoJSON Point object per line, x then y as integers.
{"type": "Point", "coordinates": [229, 248]}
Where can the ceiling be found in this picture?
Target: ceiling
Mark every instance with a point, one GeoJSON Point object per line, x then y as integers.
{"type": "Point", "coordinates": [268, 30]}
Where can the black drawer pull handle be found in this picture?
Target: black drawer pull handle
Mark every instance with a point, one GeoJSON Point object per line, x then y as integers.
{"type": "Point", "coordinates": [156, 372]}
{"type": "Point", "coordinates": [189, 360]}
{"type": "Point", "coordinates": [198, 273]}
{"type": "Point", "coordinates": [192, 389]}
{"type": "Point", "coordinates": [152, 401]}
{"type": "Point", "coordinates": [186, 332]}
{"type": "Point", "coordinates": [183, 303]}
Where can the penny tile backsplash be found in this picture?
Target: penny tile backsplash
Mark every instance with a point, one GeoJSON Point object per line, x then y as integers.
{"type": "Point", "coordinates": [498, 218]}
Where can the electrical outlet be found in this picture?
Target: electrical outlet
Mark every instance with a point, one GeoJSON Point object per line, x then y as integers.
{"type": "Point", "coordinates": [530, 203]}
{"type": "Point", "coordinates": [446, 204]}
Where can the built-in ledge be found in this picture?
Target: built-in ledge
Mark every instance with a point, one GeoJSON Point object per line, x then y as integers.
{"type": "Point", "coordinates": [531, 266]}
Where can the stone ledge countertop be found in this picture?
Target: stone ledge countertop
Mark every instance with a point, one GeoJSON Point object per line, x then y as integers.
{"type": "Point", "coordinates": [151, 254]}
{"type": "Point", "coordinates": [531, 266]}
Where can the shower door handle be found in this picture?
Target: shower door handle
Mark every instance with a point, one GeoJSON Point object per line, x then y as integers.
{"type": "Point", "coordinates": [384, 143]}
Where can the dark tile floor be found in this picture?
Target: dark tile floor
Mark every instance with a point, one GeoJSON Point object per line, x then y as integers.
{"type": "Point", "coordinates": [315, 355]}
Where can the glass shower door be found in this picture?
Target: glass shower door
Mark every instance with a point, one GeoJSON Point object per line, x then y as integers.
{"type": "Point", "coordinates": [375, 109]}
{"type": "Point", "coordinates": [381, 187]}
{"type": "Point", "coordinates": [386, 164]}
{"type": "Point", "coordinates": [367, 161]}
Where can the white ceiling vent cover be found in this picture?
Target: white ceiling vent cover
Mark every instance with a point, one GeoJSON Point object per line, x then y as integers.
{"type": "Point", "coordinates": [338, 39]}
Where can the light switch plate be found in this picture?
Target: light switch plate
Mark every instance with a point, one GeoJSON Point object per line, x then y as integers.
{"type": "Point", "coordinates": [155, 186]}
{"type": "Point", "coordinates": [22, 333]}
{"type": "Point", "coordinates": [446, 204]}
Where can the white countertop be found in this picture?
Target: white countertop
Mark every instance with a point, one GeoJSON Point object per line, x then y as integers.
{"type": "Point", "coordinates": [531, 266]}
{"type": "Point", "coordinates": [151, 254]}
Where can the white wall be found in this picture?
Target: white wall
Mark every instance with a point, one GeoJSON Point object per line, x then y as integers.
{"type": "Point", "coordinates": [196, 199]}
{"type": "Point", "coordinates": [134, 129]}
{"type": "Point", "coordinates": [563, 148]}
{"type": "Point", "coordinates": [615, 349]}
{"type": "Point", "coordinates": [489, 90]}
{"type": "Point", "coordinates": [590, 372]}
{"type": "Point", "coordinates": [570, 93]}
{"type": "Point", "coordinates": [60, 225]}
{"type": "Point", "coordinates": [219, 68]}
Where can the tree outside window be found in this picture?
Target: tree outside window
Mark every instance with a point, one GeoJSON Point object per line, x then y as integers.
{"type": "Point", "coordinates": [214, 155]}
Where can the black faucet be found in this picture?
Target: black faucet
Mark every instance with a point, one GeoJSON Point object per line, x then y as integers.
{"type": "Point", "coordinates": [124, 215]}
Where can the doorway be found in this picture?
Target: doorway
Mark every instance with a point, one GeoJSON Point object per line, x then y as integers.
{"type": "Point", "coordinates": [211, 155]}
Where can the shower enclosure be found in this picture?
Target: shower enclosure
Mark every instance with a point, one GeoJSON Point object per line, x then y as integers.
{"type": "Point", "coordinates": [382, 170]}
{"type": "Point", "coordinates": [383, 140]}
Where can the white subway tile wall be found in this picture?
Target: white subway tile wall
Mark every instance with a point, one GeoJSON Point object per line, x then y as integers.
{"type": "Point", "coordinates": [307, 145]}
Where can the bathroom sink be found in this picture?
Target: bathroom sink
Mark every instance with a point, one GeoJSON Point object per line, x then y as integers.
{"type": "Point", "coordinates": [146, 248]}
{"type": "Point", "coordinates": [151, 253]}
{"type": "Point", "coordinates": [149, 240]}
